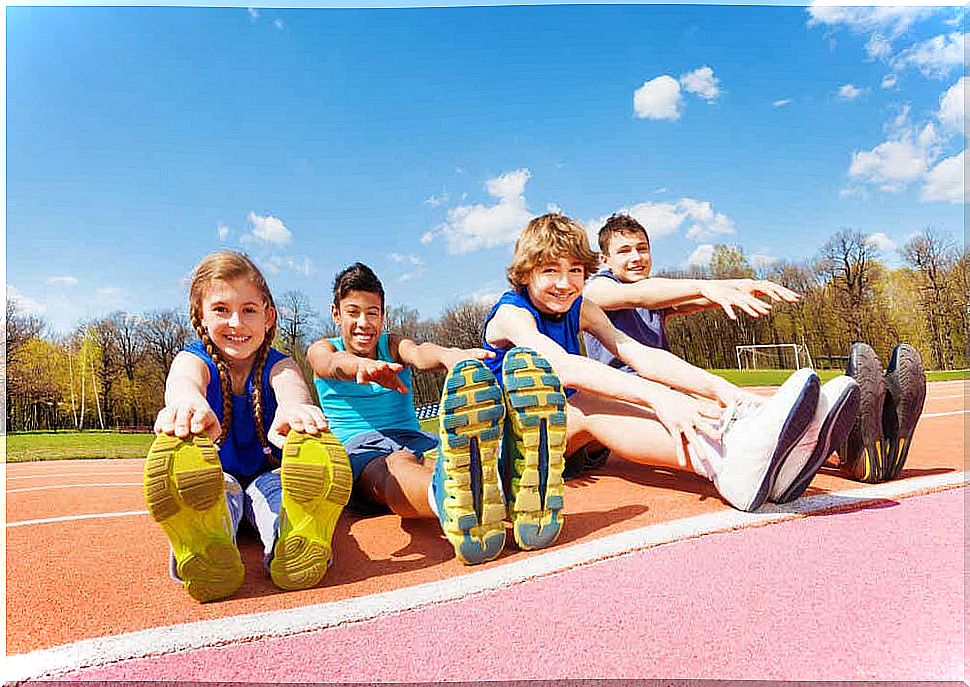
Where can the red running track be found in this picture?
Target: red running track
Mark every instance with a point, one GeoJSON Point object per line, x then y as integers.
{"type": "Point", "coordinates": [870, 594]}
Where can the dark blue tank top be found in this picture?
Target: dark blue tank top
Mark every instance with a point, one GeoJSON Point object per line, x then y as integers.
{"type": "Point", "coordinates": [641, 324]}
{"type": "Point", "coordinates": [564, 330]}
{"type": "Point", "coordinates": [241, 454]}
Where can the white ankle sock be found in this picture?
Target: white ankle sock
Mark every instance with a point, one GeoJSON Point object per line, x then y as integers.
{"type": "Point", "coordinates": [432, 501]}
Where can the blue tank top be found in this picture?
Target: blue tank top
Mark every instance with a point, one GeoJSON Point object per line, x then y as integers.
{"type": "Point", "coordinates": [563, 330]}
{"type": "Point", "coordinates": [353, 408]}
{"type": "Point", "coordinates": [241, 454]}
{"type": "Point", "coordinates": [640, 324]}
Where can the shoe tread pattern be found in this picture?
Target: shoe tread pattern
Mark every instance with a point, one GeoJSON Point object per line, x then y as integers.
{"type": "Point", "coordinates": [185, 493]}
{"type": "Point", "coordinates": [537, 423]}
{"type": "Point", "coordinates": [471, 414]}
{"type": "Point", "coordinates": [863, 455]}
{"type": "Point", "coordinates": [906, 386]}
{"type": "Point", "coordinates": [316, 480]}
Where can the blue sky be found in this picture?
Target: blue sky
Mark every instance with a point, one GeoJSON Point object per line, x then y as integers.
{"type": "Point", "coordinates": [421, 140]}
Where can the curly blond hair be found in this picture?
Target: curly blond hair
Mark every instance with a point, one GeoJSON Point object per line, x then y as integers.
{"type": "Point", "coordinates": [229, 265]}
{"type": "Point", "coordinates": [549, 237]}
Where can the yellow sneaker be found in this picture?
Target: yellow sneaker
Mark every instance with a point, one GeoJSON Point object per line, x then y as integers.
{"type": "Point", "coordinates": [185, 494]}
{"type": "Point", "coordinates": [316, 480]}
{"type": "Point", "coordinates": [534, 447]}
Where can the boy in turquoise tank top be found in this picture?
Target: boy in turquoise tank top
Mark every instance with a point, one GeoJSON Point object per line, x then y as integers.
{"type": "Point", "coordinates": [363, 377]}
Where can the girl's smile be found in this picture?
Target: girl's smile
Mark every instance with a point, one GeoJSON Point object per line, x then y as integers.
{"type": "Point", "coordinates": [236, 318]}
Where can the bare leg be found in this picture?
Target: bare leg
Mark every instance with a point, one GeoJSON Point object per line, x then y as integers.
{"type": "Point", "coordinates": [629, 431]}
{"type": "Point", "coordinates": [399, 481]}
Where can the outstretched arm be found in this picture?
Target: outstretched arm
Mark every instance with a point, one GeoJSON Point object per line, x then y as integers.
{"type": "Point", "coordinates": [295, 407]}
{"type": "Point", "coordinates": [431, 356]}
{"type": "Point", "coordinates": [688, 295]}
{"type": "Point", "coordinates": [186, 409]}
{"type": "Point", "coordinates": [329, 363]}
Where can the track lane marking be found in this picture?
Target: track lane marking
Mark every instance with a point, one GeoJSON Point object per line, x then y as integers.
{"type": "Point", "coordinates": [23, 490]}
{"type": "Point", "coordinates": [100, 651]}
{"type": "Point", "coordinates": [68, 518]}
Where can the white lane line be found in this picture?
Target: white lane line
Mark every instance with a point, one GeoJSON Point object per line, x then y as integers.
{"type": "Point", "coordinates": [939, 398]}
{"type": "Point", "coordinates": [68, 518]}
{"type": "Point", "coordinates": [952, 412]}
{"type": "Point", "coordinates": [100, 651]}
{"type": "Point", "coordinates": [74, 486]}
{"type": "Point", "coordinates": [76, 474]}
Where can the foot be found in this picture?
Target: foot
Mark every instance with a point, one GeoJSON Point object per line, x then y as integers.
{"type": "Point", "coordinates": [863, 455]}
{"type": "Point", "coordinates": [756, 441]}
{"type": "Point", "coordinates": [185, 494]}
{"type": "Point", "coordinates": [316, 481]}
{"type": "Point", "coordinates": [468, 497]}
{"type": "Point", "coordinates": [535, 442]}
{"type": "Point", "coordinates": [838, 404]}
{"type": "Point", "coordinates": [905, 383]}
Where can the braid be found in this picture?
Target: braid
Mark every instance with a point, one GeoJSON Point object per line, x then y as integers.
{"type": "Point", "coordinates": [221, 369]}
{"type": "Point", "coordinates": [261, 356]}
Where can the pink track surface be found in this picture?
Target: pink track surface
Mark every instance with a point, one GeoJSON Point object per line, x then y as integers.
{"type": "Point", "coordinates": [869, 594]}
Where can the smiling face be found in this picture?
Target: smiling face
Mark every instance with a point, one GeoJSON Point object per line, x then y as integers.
{"type": "Point", "coordinates": [237, 318]}
{"type": "Point", "coordinates": [554, 285]}
{"type": "Point", "coordinates": [628, 256]}
{"type": "Point", "coordinates": [360, 316]}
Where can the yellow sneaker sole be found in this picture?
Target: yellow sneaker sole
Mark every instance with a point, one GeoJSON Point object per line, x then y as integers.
{"type": "Point", "coordinates": [537, 420]}
{"type": "Point", "coordinates": [185, 494]}
{"type": "Point", "coordinates": [316, 480]}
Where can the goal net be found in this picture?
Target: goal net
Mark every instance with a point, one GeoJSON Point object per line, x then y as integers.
{"type": "Point", "coordinates": [790, 356]}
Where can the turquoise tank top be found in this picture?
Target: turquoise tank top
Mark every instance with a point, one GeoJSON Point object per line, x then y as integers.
{"type": "Point", "coordinates": [353, 408]}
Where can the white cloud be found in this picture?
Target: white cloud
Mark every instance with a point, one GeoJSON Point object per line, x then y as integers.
{"type": "Point", "coordinates": [889, 81]}
{"type": "Point", "coordinates": [664, 219]}
{"type": "Point", "coordinates": [658, 98]}
{"type": "Point", "coordinates": [253, 13]}
{"type": "Point", "coordinates": [952, 106]}
{"type": "Point", "coordinates": [24, 302]}
{"type": "Point", "coordinates": [662, 189]}
{"type": "Point", "coordinates": [891, 165]}
{"type": "Point", "coordinates": [878, 47]}
{"type": "Point", "coordinates": [947, 181]}
{"type": "Point", "coordinates": [849, 92]}
{"type": "Point", "coordinates": [299, 264]}
{"type": "Point", "coordinates": [278, 23]}
{"type": "Point", "coordinates": [434, 201]}
{"type": "Point", "coordinates": [701, 257]}
{"type": "Point", "coordinates": [781, 103]}
{"type": "Point", "coordinates": [886, 19]}
{"type": "Point", "coordinates": [401, 259]}
{"type": "Point", "coordinates": [473, 227]}
{"type": "Point", "coordinates": [411, 274]}
{"type": "Point", "coordinates": [63, 281]}
{"type": "Point", "coordinates": [269, 229]}
{"type": "Point", "coordinates": [881, 241]}
{"type": "Point", "coordinates": [428, 236]}
{"type": "Point", "coordinates": [223, 232]}
{"type": "Point", "coordinates": [934, 58]}
{"type": "Point", "coordinates": [552, 207]}
{"type": "Point", "coordinates": [760, 261]}
{"type": "Point", "coordinates": [701, 82]}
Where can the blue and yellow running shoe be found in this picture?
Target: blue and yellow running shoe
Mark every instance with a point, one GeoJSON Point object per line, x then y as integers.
{"type": "Point", "coordinates": [316, 481]}
{"type": "Point", "coordinates": [469, 500]}
{"type": "Point", "coordinates": [535, 440]}
{"type": "Point", "coordinates": [185, 494]}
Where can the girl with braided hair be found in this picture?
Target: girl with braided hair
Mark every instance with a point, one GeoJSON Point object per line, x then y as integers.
{"type": "Point", "coordinates": [231, 402]}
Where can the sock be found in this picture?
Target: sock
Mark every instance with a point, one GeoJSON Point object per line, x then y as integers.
{"type": "Point", "coordinates": [432, 501]}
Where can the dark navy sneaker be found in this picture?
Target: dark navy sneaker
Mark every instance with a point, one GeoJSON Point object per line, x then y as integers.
{"type": "Point", "coordinates": [536, 439]}
{"type": "Point", "coordinates": [471, 508]}
{"type": "Point", "coordinates": [864, 454]}
{"type": "Point", "coordinates": [905, 382]}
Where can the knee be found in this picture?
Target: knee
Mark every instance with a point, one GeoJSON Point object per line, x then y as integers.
{"type": "Point", "coordinates": [400, 461]}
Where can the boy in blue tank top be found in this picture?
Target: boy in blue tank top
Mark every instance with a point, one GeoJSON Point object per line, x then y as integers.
{"type": "Point", "coordinates": [363, 378]}
{"type": "Point", "coordinates": [669, 413]}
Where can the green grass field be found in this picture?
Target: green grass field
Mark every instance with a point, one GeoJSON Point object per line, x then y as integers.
{"type": "Point", "coordinates": [68, 445]}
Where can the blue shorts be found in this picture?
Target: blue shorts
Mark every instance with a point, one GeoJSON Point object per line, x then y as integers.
{"type": "Point", "coordinates": [365, 447]}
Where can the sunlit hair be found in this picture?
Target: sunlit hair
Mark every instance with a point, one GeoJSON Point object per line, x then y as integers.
{"type": "Point", "coordinates": [357, 277]}
{"type": "Point", "coordinates": [619, 224]}
{"type": "Point", "coordinates": [546, 238]}
{"type": "Point", "coordinates": [227, 266]}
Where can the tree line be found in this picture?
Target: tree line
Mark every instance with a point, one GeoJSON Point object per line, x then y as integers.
{"type": "Point", "coordinates": [110, 372]}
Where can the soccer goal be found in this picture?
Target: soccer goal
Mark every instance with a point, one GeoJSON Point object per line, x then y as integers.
{"type": "Point", "coordinates": [789, 356]}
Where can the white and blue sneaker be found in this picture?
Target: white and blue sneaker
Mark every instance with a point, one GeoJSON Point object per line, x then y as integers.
{"type": "Point", "coordinates": [838, 404]}
{"type": "Point", "coordinates": [756, 439]}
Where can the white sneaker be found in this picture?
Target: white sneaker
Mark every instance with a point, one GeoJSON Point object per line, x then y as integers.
{"type": "Point", "coordinates": [758, 438]}
{"type": "Point", "coordinates": [838, 404]}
